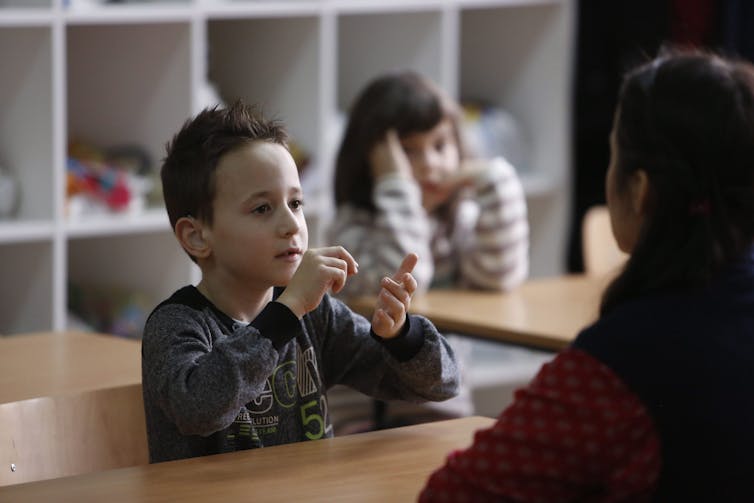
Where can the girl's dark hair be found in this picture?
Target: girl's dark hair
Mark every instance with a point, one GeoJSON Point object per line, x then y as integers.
{"type": "Point", "coordinates": [687, 120]}
{"type": "Point", "coordinates": [188, 181]}
{"type": "Point", "coordinates": [403, 100]}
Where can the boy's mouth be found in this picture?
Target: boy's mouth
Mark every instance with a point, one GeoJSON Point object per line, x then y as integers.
{"type": "Point", "coordinates": [290, 253]}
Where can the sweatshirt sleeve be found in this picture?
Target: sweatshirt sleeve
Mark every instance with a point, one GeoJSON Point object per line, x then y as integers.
{"type": "Point", "coordinates": [200, 377]}
{"type": "Point", "coordinates": [416, 366]}
{"type": "Point", "coordinates": [496, 257]}
{"type": "Point", "coordinates": [574, 432]}
{"type": "Point", "coordinates": [379, 242]}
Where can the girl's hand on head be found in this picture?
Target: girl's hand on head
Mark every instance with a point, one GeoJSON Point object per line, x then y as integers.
{"type": "Point", "coordinates": [472, 170]}
{"type": "Point", "coordinates": [394, 299]}
{"type": "Point", "coordinates": [321, 270]}
{"type": "Point", "coordinates": [468, 173]}
{"type": "Point", "coordinates": [438, 193]}
{"type": "Point", "coordinates": [388, 158]}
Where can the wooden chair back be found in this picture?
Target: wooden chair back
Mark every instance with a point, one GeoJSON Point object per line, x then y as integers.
{"type": "Point", "coordinates": [58, 436]}
{"type": "Point", "coordinates": [600, 251]}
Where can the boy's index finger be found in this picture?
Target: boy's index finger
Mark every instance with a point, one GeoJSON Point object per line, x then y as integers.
{"type": "Point", "coordinates": [353, 266]}
{"type": "Point", "coordinates": [408, 264]}
{"type": "Point", "coordinates": [343, 254]}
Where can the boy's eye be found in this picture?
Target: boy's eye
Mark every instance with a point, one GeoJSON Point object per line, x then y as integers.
{"type": "Point", "coordinates": [261, 210]}
{"type": "Point", "coordinates": [440, 145]}
{"type": "Point", "coordinates": [297, 203]}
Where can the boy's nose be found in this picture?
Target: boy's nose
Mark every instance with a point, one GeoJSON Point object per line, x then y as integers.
{"type": "Point", "coordinates": [289, 224]}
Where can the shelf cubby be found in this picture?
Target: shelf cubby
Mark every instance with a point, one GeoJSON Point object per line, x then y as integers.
{"type": "Point", "coordinates": [26, 123]}
{"type": "Point", "coordinates": [27, 291]}
{"type": "Point", "coordinates": [139, 91]}
{"type": "Point", "coordinates": [372, 44]}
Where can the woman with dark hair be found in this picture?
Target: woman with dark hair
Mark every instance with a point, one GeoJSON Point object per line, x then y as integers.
{"type": "Point", "coordinates": [653, 401]}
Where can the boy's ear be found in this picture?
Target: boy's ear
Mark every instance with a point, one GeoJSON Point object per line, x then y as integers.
{"type": "Point", "coordinates": [639, 192]}
{"type": "Point", "coordinates": [190, 234]}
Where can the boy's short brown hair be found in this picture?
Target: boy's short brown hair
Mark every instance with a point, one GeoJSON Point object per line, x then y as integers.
{"type": "Point", "coordinates": [188, 181]}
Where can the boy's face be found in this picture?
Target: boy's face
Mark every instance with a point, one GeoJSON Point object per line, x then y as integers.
{"type": "Point", "coordinates": [258, 234]}
{"type": "Point", "coordinates": [434, 157]}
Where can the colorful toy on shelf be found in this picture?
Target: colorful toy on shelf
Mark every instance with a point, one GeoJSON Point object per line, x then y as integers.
{"type": "Point", "coordinates": [103, 183]}
{"type": "Point", "coordinates": [109, 309]}
{"type": "Point", "coordinates": [491, 131]}
{"type": "Point", "coordinates": [114, 180]}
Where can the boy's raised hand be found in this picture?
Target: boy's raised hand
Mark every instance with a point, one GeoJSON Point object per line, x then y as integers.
{"type": "Point", "coordinates": [387, 157]}
{"type": "Point", "coordinates": [320, 270]}
{"type": "Point", "coordinates": [394, 299]}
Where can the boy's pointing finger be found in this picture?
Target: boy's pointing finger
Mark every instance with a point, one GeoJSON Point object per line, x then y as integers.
{"type": "Point", "coordinates": [408, 264]}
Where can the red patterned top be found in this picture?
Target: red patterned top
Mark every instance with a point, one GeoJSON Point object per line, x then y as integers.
{"type": "Point", "coordinates": [575, 433]}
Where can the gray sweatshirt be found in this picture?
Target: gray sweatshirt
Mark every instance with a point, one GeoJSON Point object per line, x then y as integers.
{"type": "Point", "coordinates": [212, 385]}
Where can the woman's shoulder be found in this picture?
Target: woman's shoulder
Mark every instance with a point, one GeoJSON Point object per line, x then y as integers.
{"type": "Point", "coordinates": [692, 310]}
{"type": "Point", "coordinates": [668, 324]}
{"type": "Point", "coordinates": [632, 317]}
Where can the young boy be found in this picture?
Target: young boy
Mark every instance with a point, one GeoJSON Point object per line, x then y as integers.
{"type": "Point", "coordinates": [245, 358]}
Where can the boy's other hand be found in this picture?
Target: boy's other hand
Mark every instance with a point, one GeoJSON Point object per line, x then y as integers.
{"type": "Point", "coordinates": [394, 299]}
{"type": "Point", "coordinates": [388, 157]}
{"type": "Point", "coordinates": [321, 270]}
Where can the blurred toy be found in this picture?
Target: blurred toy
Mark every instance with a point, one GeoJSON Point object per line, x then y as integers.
{"type": "Point", "coordinates": [116, 179]}
{"type": "Point", "coordinates": [108, 309]}
{"type": "Point", "coordinates": [103, 183]}
{"type": "Point", "coordinates": [493, 132]}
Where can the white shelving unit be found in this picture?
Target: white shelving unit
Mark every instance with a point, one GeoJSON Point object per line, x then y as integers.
{"type": "Point", "coordinates": [132, 73]}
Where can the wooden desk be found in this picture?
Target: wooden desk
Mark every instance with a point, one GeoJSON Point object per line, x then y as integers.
{"type": "Point", "coordinates": [380, 466]}
{"type": "Point", "coordinates": [46, 364]}
{"type": "Point", "coordinates": [543, 313]}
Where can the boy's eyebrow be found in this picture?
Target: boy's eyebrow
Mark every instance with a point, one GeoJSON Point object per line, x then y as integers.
{"type": "Point", "coordinates": [266, 193]}
{"type": "Point", "coordinates": [255, 195]}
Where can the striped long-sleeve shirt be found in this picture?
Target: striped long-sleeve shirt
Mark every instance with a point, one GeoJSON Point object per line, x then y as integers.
{"type": "Point", "coordinates": [483, 244]}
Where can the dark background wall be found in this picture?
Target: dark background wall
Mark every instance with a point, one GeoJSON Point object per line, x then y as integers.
{"type": "Point", "coordinates": [612, 37]}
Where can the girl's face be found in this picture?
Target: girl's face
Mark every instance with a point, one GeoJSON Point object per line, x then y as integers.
{"type": "Point", "coordinates": [433, 156]}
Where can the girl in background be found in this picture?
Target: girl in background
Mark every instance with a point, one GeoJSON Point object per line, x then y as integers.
{"type": "Point", "coordinates": [405, 183]}
{"type": "Point", "coordinates": [653, 401]}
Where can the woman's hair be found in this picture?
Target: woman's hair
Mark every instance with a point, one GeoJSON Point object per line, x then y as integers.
{"type": "Point", "coordinates": [687, 120]}
{"type": "Point", "coordinates": [403, 100]}
{"type": "Point", "coordinates": [188, 171]}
